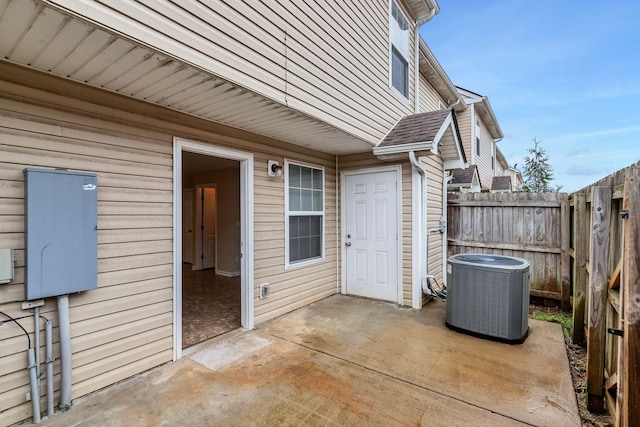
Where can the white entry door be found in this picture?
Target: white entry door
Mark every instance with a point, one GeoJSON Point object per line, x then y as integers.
{"type": "Point", "coordinates": [371, 235]}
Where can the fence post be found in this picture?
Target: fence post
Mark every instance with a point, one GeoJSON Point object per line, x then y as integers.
{"type": "Point", "coordinates": [598, 287]}
{"type": "Point", "coordinates": [565, 281]}
{"type": "Point", "coordinates": [629, 384]}
{"type": "Point", "coordinates": [580, 250]}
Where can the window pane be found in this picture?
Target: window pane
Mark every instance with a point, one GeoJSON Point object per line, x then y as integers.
{"type": "Point", "coordinates": [315, 246]}
{"type": "Point", "coordinates": [303, 226]}
{"type": "Point", "coordinates": [294, 175]}
{"type": "Point", "coordinates": [305, 237]}
{"type": "Point", "coordinates": [399, 70]}
{"type": "Point", "coordinates": [294, 250]}
{"type": "Point", "coordinates": [293, 227]}
{"type": "Point", "coordinates": [294, 199]}
{"type": "Point", "coordinates": [305, 177]}
{"type": "Point", "coordinates": [304, 248]}
{"type": "Point", "coordinates": [315, 227]}
{"type": "Point", "coordinates": [317, 179]}
{"type": "Point", "coordinates": [306, 200]}
{"type": "Point", "coordinates": [317, 201]}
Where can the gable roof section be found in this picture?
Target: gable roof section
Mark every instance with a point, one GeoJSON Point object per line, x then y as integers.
{"type": "Point", "coordinates": [465, 177]}
{"type": "Point", "coordinates": [483, 106]}
{"type": "Point", "coordinates": [501, 183]}
{"type": "Point", "coordinates": [425, 133]}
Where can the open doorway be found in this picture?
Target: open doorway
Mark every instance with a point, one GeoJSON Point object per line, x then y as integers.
{"type": "Point", "coordinates": [211, 247]}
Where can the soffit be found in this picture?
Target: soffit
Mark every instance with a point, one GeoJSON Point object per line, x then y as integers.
{"type": "Point", "coordinates": [41, 37]}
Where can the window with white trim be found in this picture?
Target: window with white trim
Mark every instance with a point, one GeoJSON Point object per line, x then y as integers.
{"type": "Point", "coordinates": [399, 50]}
{"type": "Point", "coordinates": [477, 146]}
{"type": "Point", "coordinates": [304, 220]}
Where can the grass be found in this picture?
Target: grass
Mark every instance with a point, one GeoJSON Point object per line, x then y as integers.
{"type": "Point", "coordinates": [564, 319]}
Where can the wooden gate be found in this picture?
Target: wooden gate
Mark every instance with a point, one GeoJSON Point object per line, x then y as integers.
{"type": "Point", "coordinates": [525, 225]}
{"type": "Point", "coordinates": [606, 288]}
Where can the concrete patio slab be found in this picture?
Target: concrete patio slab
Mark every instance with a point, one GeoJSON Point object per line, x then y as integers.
{"type": "Point", "coordinates": [348, 361]}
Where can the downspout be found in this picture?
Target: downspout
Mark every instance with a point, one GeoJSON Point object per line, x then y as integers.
{"type": "Point", "coordinates": [447, 178]}
{"type": "Point", "coordinates": [495, 154]}
{"type": "Point", "coordinates": [424, 264]}
{"type": "Point", "coordinates": [416, 66]}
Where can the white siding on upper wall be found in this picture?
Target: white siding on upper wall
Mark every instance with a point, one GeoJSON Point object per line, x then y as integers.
{"type": "Point", "coordinates": [327, 59]}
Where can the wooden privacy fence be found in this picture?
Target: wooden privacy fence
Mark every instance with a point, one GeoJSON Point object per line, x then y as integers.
{"type": "Point", "coordinates": [525, 225]}
{"type": "Point", "coordinates": [605, 251]}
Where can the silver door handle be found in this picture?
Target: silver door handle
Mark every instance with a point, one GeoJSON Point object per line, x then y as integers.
{"type": "Point", "coordinates": [348, 243]}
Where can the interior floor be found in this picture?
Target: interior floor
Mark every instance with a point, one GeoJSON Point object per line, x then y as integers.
{"type": "Point", "coordinates": [210, 305]}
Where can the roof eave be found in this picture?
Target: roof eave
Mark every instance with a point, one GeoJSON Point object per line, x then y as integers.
{"type": "Point", "coordinates": [422, 9]}
{"type": "Point", "coordinates": [385, 153]}
{"type": "Point", "coordinates": [453, 96]}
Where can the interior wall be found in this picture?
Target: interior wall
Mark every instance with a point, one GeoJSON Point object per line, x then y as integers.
{"type": "Point", "coordinates": [227, 183]}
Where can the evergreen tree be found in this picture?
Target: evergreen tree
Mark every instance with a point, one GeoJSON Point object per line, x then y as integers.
{"type": "Point", "coordinates": [537, 171]}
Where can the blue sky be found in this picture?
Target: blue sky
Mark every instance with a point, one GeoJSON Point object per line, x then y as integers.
{"type": "Point", "coordinates": [565, 72]}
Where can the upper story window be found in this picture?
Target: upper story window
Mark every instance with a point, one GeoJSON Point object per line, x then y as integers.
{"type": "Point", "coordinates": [399, 50]}
{"type": "Point", "coordinates": [304, 222]}
{"type": "Point", "coordinates": [477, 146]}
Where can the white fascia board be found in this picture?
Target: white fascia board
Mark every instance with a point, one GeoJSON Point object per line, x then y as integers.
{"type": "Point", "coordinates": [453, 164]}
{"type": "Point", "coordinates": [404, 148]}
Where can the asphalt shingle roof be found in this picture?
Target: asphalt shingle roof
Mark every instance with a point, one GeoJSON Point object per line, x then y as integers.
{"type": "Point", "coordinates": [421, 127]}
{"type": "Point", "coordinates": [501, 183]}
{"type": "Point", "coordinates": [463, 176]}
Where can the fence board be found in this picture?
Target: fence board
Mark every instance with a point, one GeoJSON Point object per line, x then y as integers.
{"type": "Point", "coordinates": [598, 286]}
{"type": "Point", "coordinates": [523, 225]}
{"type": "Point", "coordinates": [580, 249]}
{"type": "Point", "coordinates": [628, 375]}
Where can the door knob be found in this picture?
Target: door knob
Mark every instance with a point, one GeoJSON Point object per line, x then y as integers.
{"type": "Point", "coordinates": [348, 236]}
{"type": "Point", "coordinates": [348, 243]}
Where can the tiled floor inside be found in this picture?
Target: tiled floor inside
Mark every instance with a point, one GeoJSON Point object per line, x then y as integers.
{"type": "Point", "coordinates": [210, 305]}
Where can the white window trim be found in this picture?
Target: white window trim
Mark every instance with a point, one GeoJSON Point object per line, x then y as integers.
{"type": "Point", "coordinates": [400, 95]}
{"type": "Point", "coordinates": [297, 264]}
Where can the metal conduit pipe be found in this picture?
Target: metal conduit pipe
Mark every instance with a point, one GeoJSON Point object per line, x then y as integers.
{"type": "Point", "coordinates": [33, 382]}
{"type": "Point", "coordinates": [65, 352]}
{"type": "Point", "coordinates": [49, 360]}
{"type": "Point", "coordinates": [36, 333]}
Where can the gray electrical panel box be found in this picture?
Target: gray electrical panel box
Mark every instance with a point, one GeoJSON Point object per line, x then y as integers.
{"type": "Point", "coordinates": [61, 218]}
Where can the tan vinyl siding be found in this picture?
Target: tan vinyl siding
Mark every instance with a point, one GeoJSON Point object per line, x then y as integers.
{"type": "Point", "coordinates": [434, 167]}
{"type": "Point", "coordinates": [125, 326]}
{"type": "Point", "coordinates": [327, 59]}
{"type": "Point", "coordinates": [297, 286]}
{"type": "Point", "coordinates": [429, 98]}
{"type": "Point", "coordinates": [484, 160]}
{"type": "Point", "coordinates": [365, 160]}
{"type": "Point", "coordinates": [465, 124]}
